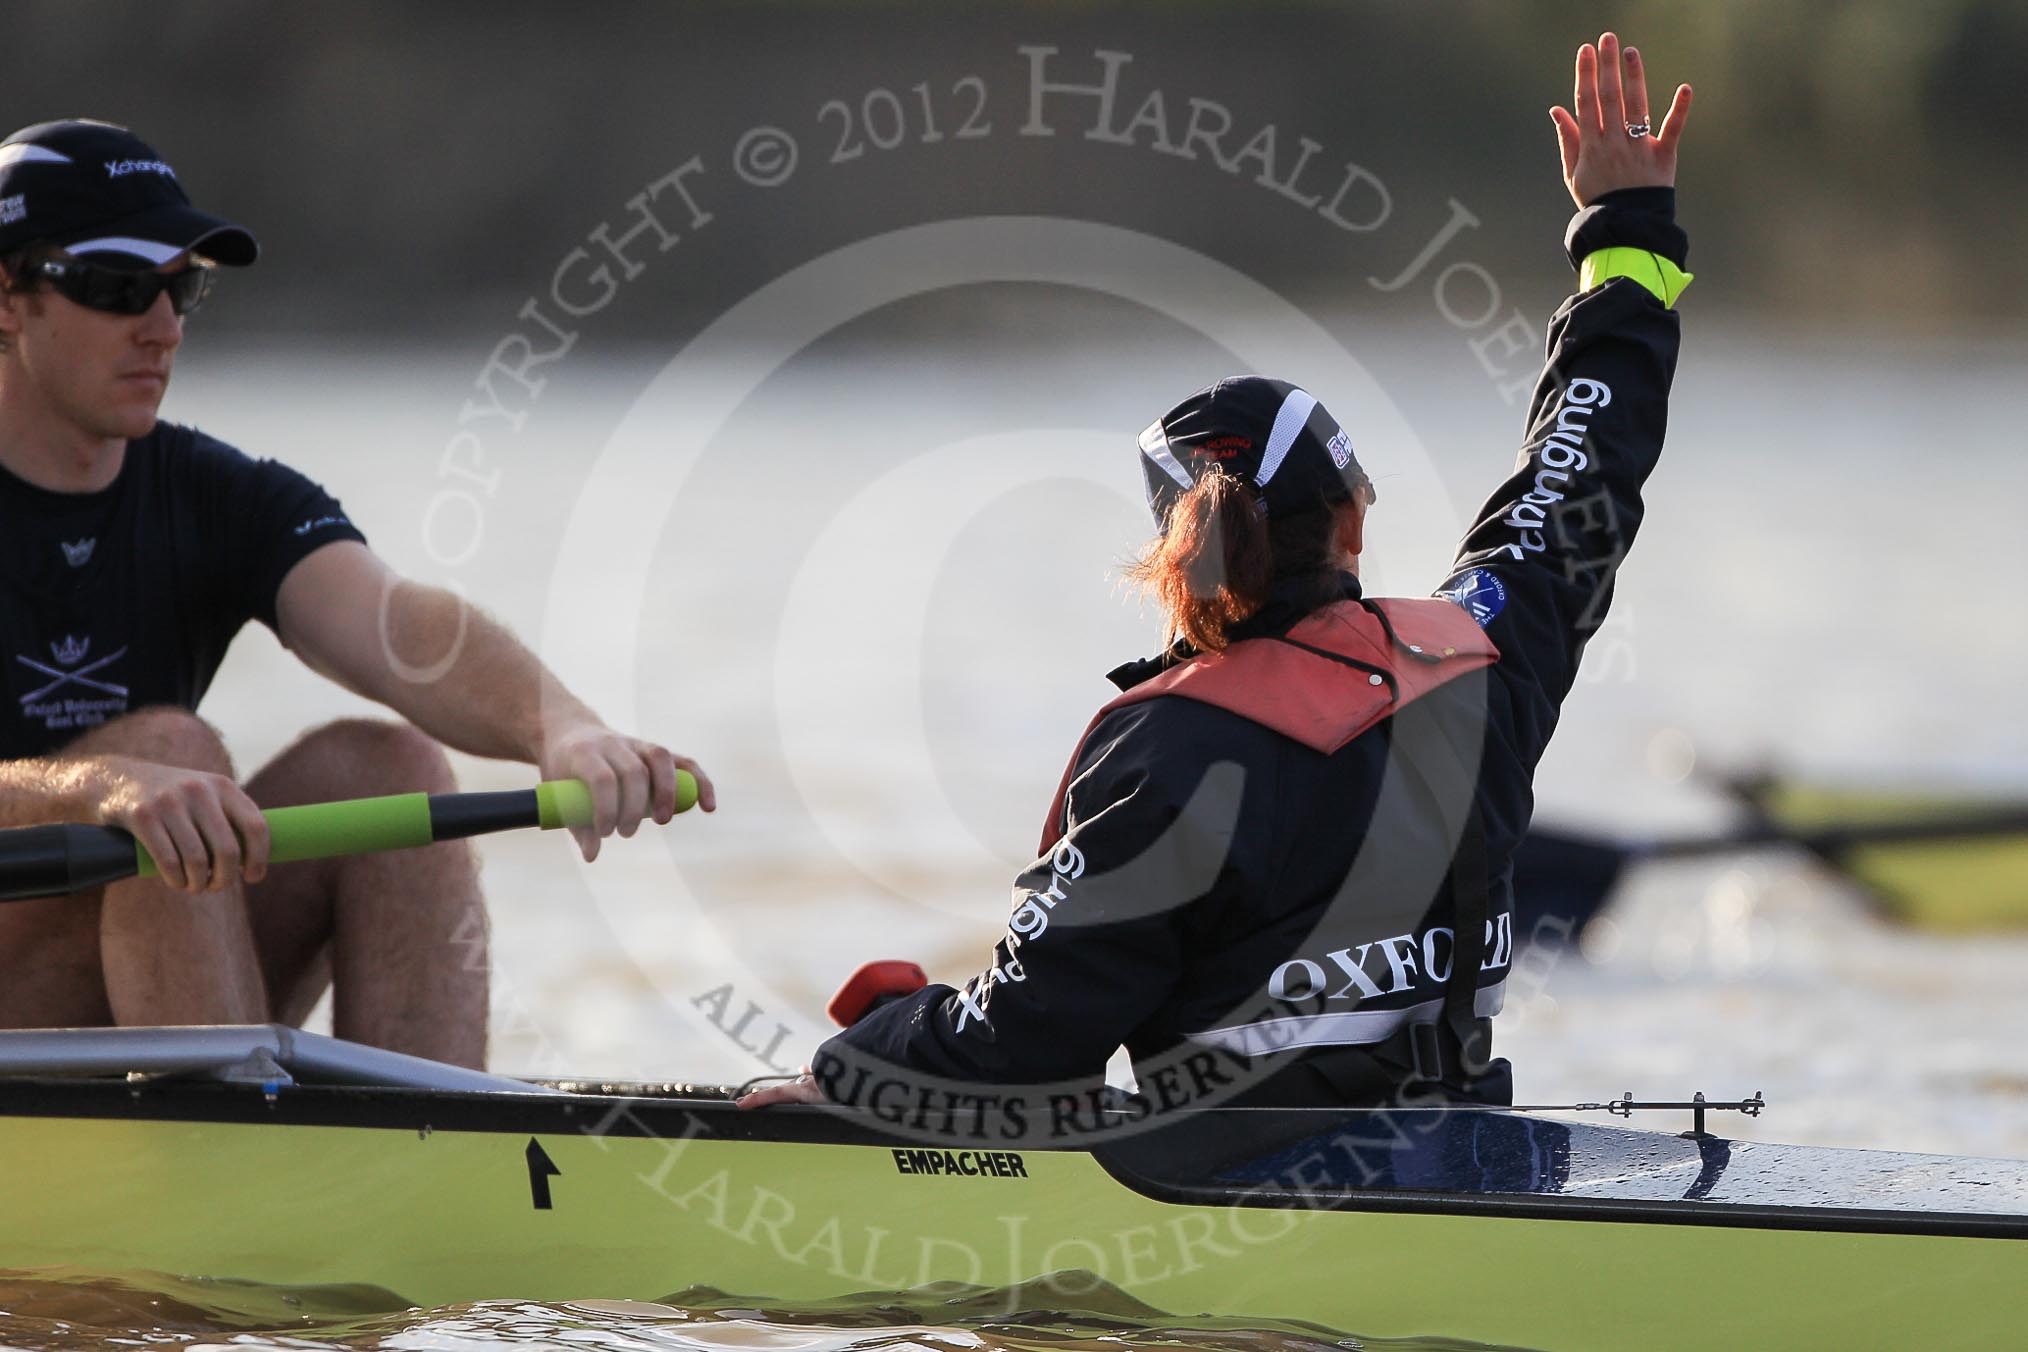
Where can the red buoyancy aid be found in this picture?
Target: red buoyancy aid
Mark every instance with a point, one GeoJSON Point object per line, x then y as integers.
{"type": "Point", "coordinates": [1333, 676]}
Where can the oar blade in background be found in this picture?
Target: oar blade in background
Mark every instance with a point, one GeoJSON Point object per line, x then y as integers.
{"type": "Point", "coordinates": [1967, 868]}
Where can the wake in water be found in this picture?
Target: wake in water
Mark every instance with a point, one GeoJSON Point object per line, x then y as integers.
{"type": "Point", "coordinates": [1065, 1312]}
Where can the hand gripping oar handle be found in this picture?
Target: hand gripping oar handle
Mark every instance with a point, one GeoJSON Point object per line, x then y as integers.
{"type": "Point", "coordinates": [53, 861]}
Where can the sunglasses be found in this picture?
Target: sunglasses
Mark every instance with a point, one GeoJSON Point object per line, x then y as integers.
{"type": "Point", "coordinates": [121, 292]}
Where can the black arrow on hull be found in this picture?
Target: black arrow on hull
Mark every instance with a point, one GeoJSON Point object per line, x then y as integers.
{"type": "Point", "coordinates": [541, 1168]}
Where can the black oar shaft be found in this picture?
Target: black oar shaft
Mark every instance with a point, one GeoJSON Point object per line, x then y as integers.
{"type": "Point", "coordinates": [456, 816]}
{"type": "Point", "coordinates": [54, 861]}
{"type": "Point", "coordinates": [1969, 824]}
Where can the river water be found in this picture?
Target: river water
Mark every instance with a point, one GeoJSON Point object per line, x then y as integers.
{"type": "Point", "coordinates": [82, 1313]}
{"type": "Point", "coordinates": [876, 596]}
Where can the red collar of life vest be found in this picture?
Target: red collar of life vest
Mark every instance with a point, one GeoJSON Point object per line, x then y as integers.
{"type": "Point", "coordinates": [1336, 674]}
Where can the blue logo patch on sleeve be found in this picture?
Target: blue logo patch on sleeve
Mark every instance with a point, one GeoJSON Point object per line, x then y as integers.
{"type": "Point", "coordinates": [1481, 594]}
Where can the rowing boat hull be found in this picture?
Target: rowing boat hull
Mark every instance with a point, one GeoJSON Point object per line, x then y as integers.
{"type": "Point", "coordinates": [440, 1198]}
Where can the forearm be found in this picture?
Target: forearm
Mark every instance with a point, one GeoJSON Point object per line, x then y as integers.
{"type": "Point", "coordinates": [463, 678]}
{"type": "Point", "coordinates": [50, 789]}
{"type": "Point", "coordinates": [458, 675]}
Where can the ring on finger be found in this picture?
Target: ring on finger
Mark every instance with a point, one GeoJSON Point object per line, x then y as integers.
{"type": "Point", "coordinates": [1637, 129]}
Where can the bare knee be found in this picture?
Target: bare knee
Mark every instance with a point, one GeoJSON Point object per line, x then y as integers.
{"type": "Point", "coordinates": [370, 755]}
{"type": "Point", "coordinates": [163, 735]}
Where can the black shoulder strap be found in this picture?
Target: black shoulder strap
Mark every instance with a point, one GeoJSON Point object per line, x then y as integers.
{"type": "Point", "coordinates": [1409, 650]}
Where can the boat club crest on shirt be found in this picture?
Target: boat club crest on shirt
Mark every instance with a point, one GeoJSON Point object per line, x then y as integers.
{"type": "Point", "coordinates": [145, 583]}
{"type": "Point", "coordinates": [73, 690]}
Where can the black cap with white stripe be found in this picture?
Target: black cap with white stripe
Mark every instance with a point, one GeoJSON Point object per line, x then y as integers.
{"type": "Point", "coordinates": [1269, 433]}
{"type": "Point", "coordinates": [103, 194]}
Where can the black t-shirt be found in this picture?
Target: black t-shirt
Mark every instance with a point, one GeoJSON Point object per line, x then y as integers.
{"type": "Point", "coordinates": [128, 597]}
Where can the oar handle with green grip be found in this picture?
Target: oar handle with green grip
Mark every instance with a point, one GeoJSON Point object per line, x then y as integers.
{"type": "Point", "coordinates": [50, 861]}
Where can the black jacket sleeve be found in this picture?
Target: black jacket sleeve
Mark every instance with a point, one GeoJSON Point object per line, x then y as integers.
{"type": "Point", "coordinates": [1094, 944]}
{"type": "Point", "coordinates": [1537, 567]}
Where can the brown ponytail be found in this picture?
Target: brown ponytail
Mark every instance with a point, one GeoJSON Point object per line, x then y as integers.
{"type": "Point", "coordinates": [1221, 556]}
{"type": "Point", "coordinates": [1215, 564]}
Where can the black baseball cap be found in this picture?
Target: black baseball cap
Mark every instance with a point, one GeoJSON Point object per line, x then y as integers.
{"type": "Point", "coordinates": [103, 194]}
{"type": "Point", "coordinates": [1269, 433]}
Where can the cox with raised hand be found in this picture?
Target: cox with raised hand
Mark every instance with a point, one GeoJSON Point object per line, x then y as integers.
{"type": "Point", "coordinates": [1281, 853]}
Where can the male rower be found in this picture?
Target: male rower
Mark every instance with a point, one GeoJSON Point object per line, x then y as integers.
{"type": "Point", "coordinates": [131, 552]}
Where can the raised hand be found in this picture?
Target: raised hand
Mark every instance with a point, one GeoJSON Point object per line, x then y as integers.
{"type": "Point", "coordinates": [1606, 143]}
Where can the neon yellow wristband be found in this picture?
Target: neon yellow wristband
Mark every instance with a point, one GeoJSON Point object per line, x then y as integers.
{"type": "Point", "coordinates": [1653, 271]}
